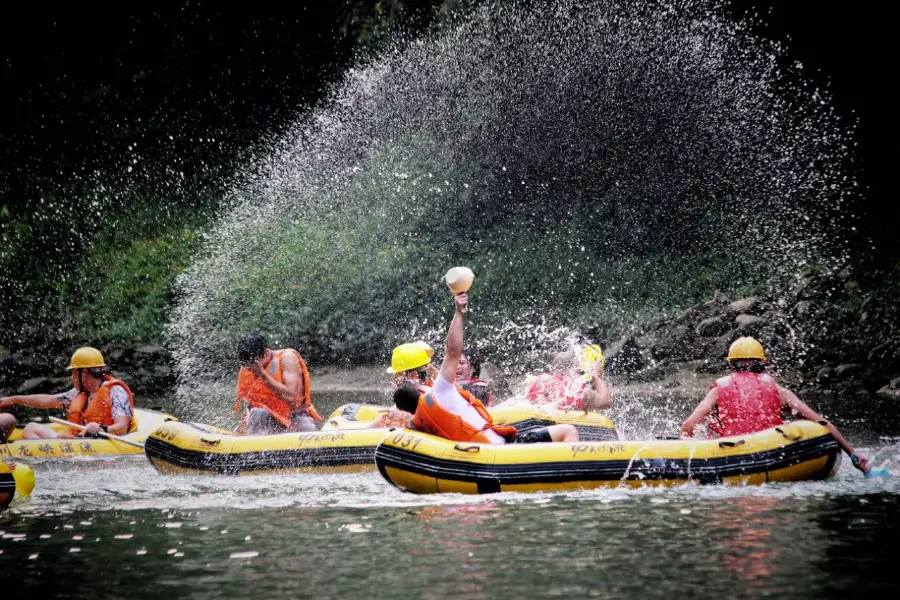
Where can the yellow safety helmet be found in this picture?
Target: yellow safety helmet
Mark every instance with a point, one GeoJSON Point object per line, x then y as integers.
{"type": "Point", "coordinates": [86, 358]}
{"type": "Point", "coordinates": [746, 347]}
{"type": "Point", "coordinates": [589, 356]}
{"type": "Point", "coordinates": [407, 357]}
{"type": "Point", "coordinates": [428, 349]}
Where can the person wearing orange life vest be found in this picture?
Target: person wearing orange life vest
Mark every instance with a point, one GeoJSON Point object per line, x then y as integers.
{"type": "Point", "coordinates": [275, 385]}
{"type": "Point", "coordinates": [98, 401]}
{"type": "Point", "coordinates": [451, 412]}
{"type": "Point", "coordinates": [749, 400]}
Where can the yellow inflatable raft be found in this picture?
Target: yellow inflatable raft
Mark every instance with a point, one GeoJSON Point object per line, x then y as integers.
{"type": "Point", "coordinates": [18, 479]}
{"type": "Point", "coordinates": [181, 447]}
{"type": "Point", "coordinates": [19, 449]}
{"type": "Point", "coordinates": [425, 464]}
{"type": "Point", "coordinates": [592, 426]}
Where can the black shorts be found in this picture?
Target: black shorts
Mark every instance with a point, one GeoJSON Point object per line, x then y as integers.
{"type": "Point", "coordinates": [533, 436]}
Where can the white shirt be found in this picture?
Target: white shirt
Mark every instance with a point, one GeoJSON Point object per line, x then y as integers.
{"type": "Point", "coordinates": [446, 394]}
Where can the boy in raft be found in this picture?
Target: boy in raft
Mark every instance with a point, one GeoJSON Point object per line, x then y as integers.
{"type": "Point", "coordinates": [98, 401]}
{"type": "Point", "coordinates": [452, 413]}
{"type": "Point", "coordinates": [275, 385]}
{"type": "Point", "coordinates": [410, 363]}
{"type": "Point", "coordinates": [566, 390]}
{"type": "Point", "coordinates": [749, 400]}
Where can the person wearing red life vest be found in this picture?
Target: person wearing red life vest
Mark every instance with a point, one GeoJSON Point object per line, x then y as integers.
{"type": "Point", "coordinates": [98, 402]}
{"type": "Point", "coordinates": [275, 385]}
{"type": "Point", "coordinates": [451, 412]}
{"type": "Point", "coordinates": [749, 400]}
{"type": "Point", "coordinates": [564, 389]}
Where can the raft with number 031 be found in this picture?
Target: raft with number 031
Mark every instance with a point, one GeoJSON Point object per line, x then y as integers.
{"type": "Point", "coordinates": [181, 447]}
{"type": "Point", "coordinates": [17, 479]}
{"type": "Point", "coordinates": [19, 449]}
{"type": "Point", "coordinates": [426, 464]}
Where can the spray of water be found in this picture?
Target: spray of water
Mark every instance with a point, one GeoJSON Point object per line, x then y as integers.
{"type": "Point", "coordinates": [593, 163]}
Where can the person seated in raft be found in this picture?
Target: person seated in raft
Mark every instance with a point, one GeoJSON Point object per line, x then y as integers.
{"type": "Point", "coordinates": [98, 401]}
{"type": "Point", "coordinates": [449, 411]}
{"type": "Point", "coordinates": [565, 389]}
{"type": "Point", "coordinates": [275, 385]}
{"type": "Point", "coordinates": [468, 377]}
{"type": "Point", "coordinates": [410, 363]}
{"type": "Point", "coordinates": [750, 400]}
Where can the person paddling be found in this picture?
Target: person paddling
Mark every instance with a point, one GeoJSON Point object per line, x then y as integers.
{"type": "Point", "coordinates": [98, 401]}
{"type": "Point", "coordinates": [750, 400]}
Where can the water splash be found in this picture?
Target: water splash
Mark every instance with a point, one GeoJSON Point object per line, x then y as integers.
{"type": "Point", "coordinates": [592, 164]}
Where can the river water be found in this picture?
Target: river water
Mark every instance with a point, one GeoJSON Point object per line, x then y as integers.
{"type": "Point", "coordinates": [116, 528]}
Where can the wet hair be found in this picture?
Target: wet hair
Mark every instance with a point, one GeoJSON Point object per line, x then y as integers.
{"type": "Point", "coordinates": [250, 348]}
{"type": "Point", "coordinates": [406, 397]}
{"type": "Point", "coordinates": [474, 361]}
{"type": "Point", "coordinates": [752, 365]}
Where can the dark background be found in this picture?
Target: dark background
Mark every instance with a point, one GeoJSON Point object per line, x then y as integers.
{"type": "Point", "coordinates": [80, 84]}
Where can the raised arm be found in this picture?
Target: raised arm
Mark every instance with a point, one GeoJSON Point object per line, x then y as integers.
{"type": "Point", "coordinates": [454, 339]}
{"type": "Point", "coordinates": [700, 413]}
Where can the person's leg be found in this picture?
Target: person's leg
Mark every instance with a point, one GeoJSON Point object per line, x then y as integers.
{"type": "Point", "coordinates": [7, 424]}
{"type": "Point", "coordinates": [36, 431]}
{"type": "Point", "coordinates": [302, 422]}
{"type": "Point", "coordinates": [261, 422]}
{"type": "Point", "coordinates": [552, 433]}
{"type": "Point", "coordinates": [563, 433]}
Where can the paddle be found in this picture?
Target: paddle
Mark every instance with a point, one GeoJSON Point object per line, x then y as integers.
{"type": "Point", "coordinates": [100, 433]}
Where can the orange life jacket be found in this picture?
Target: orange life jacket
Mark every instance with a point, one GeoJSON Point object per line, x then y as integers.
{"type": "Point", "coordinates": [432, 418]}
{"type": "Point", "coordinates": [254, 390]}
{"type": "Point", "coordinates": [99, 407]}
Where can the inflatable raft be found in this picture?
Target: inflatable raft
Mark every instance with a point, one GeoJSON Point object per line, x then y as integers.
{"type": "Point", "coordinates": [15, 480]}
{"type": "Point", "coordinates": [181, 447]}
{"type": "Point", "coordinates": [592, 426]}
{"type": "Point", "coordinates": [425, 464]}
{"type": "Point", "coordinates": [19, 449]}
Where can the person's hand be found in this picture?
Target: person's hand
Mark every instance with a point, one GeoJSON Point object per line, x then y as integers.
{"type": "Point", "coordinates": [462, 301]}
{"type": "Point", "coordinates": [256, 368]}
{"type": "Point", "coordinates": [6, 403]}
{"type": "Point", "coordinates": [860, 462]}
{"type": "Point", "coordinates": [91, 429]}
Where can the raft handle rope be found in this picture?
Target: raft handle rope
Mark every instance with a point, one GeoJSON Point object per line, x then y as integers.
{"type": "Point", "coordinates": [793, 439]}
{"type": "Point", "coordinates": [467, 448]}
{"type": "Point", "coordinates": [210, 442]}
{"type": "Point", "coordinates": [731, 444]}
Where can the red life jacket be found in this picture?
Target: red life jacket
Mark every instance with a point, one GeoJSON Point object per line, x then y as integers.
{"type": "Point", "coordinates": [433, 418]}
{"type": "Point", "coordinates": [562, 390]}
{"type": "Point", "coordinates": [746, 403]}
{"type": "Point", "coordinates": [479, 388]}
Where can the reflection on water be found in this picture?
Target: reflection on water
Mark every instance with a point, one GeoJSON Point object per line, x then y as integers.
{"type": "Point", "coordinates": [116, 528]}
